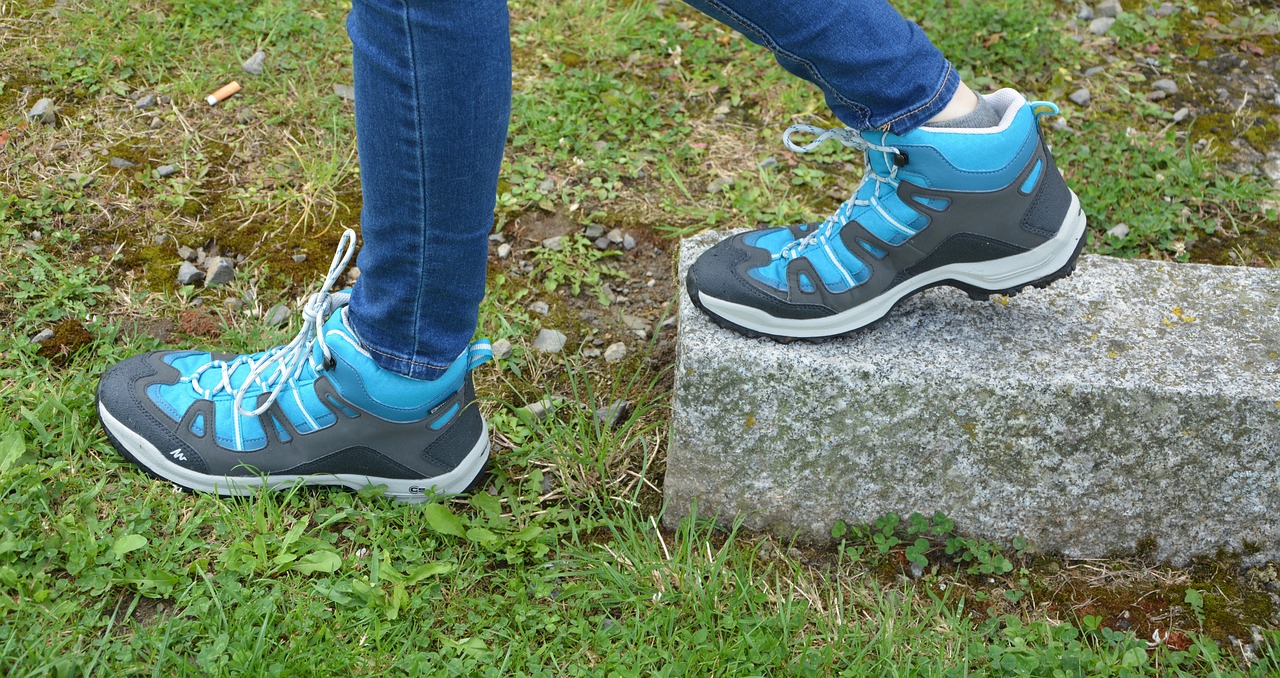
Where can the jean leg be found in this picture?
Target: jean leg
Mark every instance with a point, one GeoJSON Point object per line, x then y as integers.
{"type": "Point", "coordinates": [877, 69]}
{"type": "Point", "coordinates": [433, 101]}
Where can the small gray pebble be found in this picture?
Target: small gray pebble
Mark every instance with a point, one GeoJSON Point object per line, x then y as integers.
{"type": "Point", "coordinates": [219, 271]}
{"type": "Point", "coordinates": [602, 243]}
{"type": "Point", "coordinates": [554, 244]}
{"type": "Point", "coordinates": [145, 102]}
{"type": "Point", "coordinates": [120, 163]}
{"type": "Point", "coordinates": [81, 179]}
{"type": "Point", "coordinates": [628, 242]}
{"type": "Point", "coordinates": [277, 316]}
{"type": "Point", "coordinates": [1093, 70]}
{"type": "Point", "coordinates": [1166, 85]}
{"type": "Point", "coordinates": [43, 112]}
{"type": "Point", "coordinates": [593, 231]}
{"type": "Point", "coordinates": [600, 146]}
{"type": "Point", "coordinates": [501, 349]}
{"type": "Point", "coordinates": [1156, 95]}
{"type": "Point", "coordinates": [548, 185]}
{"type": "Point", "coordinates": [497, 237]}
{"type": "Point", "coordinates": [550, 341]}
{"type": "Point", "coordinates": [768, 163]}
{"type": "Point", "coordinates": [1101, 25]}
{"type": "Point", "coordinates": [539, 307]}
{"type": "Point", "coordinates": [1166, 9]}
{"type": "Point", "coordinates": [1181, 114]}
{"type": "Point", "coordinates": [504, 251]}
{"type": "Point", "coordinates": [539, 410]}
{"type": "Point", "coordinates": [161, 239]}
{"type": "Point", "coordinates": [615, 236]}
{"type": "Point", "coordinates": [156, 123]}
{"type": "Point", "coordinates": [1081, 97]}
{"type": "Point", "coordinates": [638, 325]}
{"type": "Point", "coordinates": [719, 184]}
{"type": "Point", "coordinates": [186, 253]}
{"type": "Point", "coordinates": [299, 258]}
{"type": "Point", "coordinates": [1109, 9]}
{"type": "Point", "coordinates": [1118, 231]}
{"type": "Point", "coordinates": [166, 171]}
{"type": "Point", "coordinates": [42, 336]}
{"type": "Point", "coordinates": [345, 91]}
{"type": "Point", "coordinates": [233, 304]}
{"type": "Point", "coordinates": [590, 352]}
{"type": "Point", "coordinates": [615, 352]}
{"type": "Point", "coordinates": [609, 417]}
{"type": "Point", "coordinates": [188, 274]}
{"type": "Point", "coordinates": [253, 65]}
{"type": "Point", "coordinates": [1085, 13]}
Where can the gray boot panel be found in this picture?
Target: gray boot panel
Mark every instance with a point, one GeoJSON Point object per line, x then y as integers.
{"type": "Point", "coordinates": [408, 450]}
{"type": "Point", "coordinates": [122, 391]}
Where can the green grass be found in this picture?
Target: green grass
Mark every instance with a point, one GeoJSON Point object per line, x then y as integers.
{"type": "Point", "coordinates": [558, 566]}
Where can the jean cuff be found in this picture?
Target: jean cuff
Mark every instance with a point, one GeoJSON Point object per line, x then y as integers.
{"type": "Point", "coordinates": [948, 83]}
{"type": "Point", "coordinates": [403, 365]}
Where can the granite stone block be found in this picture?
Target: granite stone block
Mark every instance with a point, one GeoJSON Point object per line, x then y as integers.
{"type": "Point", "coordinates": [1132, 407]}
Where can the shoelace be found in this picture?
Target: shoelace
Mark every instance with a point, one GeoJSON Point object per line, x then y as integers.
{"type": "Point", "coordinates": [289, 359]}
{"type": "Point", "coordinates": [849, 137]}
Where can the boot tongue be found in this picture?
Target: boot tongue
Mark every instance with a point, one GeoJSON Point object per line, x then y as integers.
{"type": "Point", "coordinates": [878, 162]}
{"type": "Point", "coordinates": [336, 322]}
{"type": "Point", "coordinates": [881, 161]}
{"type": "Point", "coordinates": [337, 300]}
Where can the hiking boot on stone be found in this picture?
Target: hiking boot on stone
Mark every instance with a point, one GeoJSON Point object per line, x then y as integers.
{"type": "Point", "coordinates": [316, 411]}
{"type": "Point", "coordinates": [984, 210]}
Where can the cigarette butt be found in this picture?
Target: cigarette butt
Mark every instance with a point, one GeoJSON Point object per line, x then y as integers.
{"type": "Point", "coordinates": [223, 92]}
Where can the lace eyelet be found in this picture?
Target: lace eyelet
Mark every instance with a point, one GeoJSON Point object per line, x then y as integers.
{"type": "Point", "coordinates": [900, 158]}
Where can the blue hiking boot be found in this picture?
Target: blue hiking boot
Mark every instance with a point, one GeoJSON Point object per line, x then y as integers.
{"type": "Point", "coordinates": [316, 411]}
{"type": "Point", "coordinates": [984, 210]}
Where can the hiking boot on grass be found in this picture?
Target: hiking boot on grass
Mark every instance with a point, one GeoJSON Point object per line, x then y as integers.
{"type": "Point", "coordinates": [981, 209]}
{"type": "Point", "coordinates": [316, 411]}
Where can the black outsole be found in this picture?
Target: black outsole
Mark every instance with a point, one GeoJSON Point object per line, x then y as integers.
{"type": "Point", "coordinates": [975, 293]}
{"type": "Point", "coordinates": [475, 483]}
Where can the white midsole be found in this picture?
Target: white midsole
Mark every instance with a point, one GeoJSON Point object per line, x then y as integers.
{"type": "Point", "coordinates": [993, 275]}
{"type": "Point", "coordinates": [411, 490]}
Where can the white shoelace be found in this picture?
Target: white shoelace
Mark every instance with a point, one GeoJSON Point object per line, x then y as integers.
{"type": "Point", "coordinates": [821, 235]}
{"type": "Point", "coordinates": [289, 359]}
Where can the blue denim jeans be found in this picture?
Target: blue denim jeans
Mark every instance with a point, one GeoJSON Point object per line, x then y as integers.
{"type": "Point", "coordinates": [433, 99]}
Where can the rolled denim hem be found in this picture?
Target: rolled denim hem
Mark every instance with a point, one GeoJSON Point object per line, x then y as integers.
{"type": "Point", "coordinates": [408, 366]}
{"type": "Point", "coordinates": [948, 83]}
{"type": "Point", "coordinates": [876, 69]}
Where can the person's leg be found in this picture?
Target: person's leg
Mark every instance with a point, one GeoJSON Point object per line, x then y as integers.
{"type": "Point", "coordinates": [876, 69]}
{"type": "Point", "coordinates": [957, 190]}
{"type": "Point", "coordinates": [375, 389]}
{"type": "Point", "coordinates": [433, 100]}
